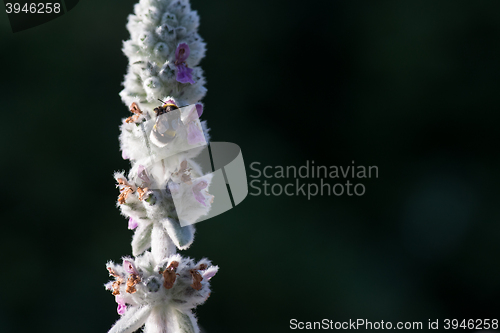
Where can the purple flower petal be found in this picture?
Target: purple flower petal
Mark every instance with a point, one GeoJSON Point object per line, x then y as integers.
{"type": "Point", "coordinates": [124, 155]}
{"type": "Point", "coordinates": [195, 134]}
{"type": "Point", "coordinates": [181, 53]}
{"type": "Point", "coordinates": [173, 187]}
{"type": "Point", "coordinates": [197, 192]}
{"type": "Point", "coordinates": [170, 101]}
{"type": "Point", "coordinates": [193, 115]}
{"type": "Point", "coordinates": [200, 186]}
{"type": "Point", "coordinates": [210, 272]}
{"type": "Point", "coordinates": [129, 267]}
{"type": "Point", "coordinates": [132, 224]}
{"type": "Point", "coordinates": [184, 74]}
{"type": "Point", "coordinates": [122, 308]}
{"type": "Point", "coordinates": [199, 109]}
{"type": "Point", "coordinates": [143, 174]}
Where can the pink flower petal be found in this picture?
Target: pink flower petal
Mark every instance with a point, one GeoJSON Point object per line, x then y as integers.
{"type": "Point", "coordinates": [129, 267]}
{"type": "Point", "coordinates": [132, 224]}
{"type": "Point", "coordinates": [184, 74]}
{"type": "Point", "coordinates": [197, 192]}
{"type": "Point", "coordinates": [182, 52]}
{"type": "Point", "coordinates": [199, 109]}
{"type": "Point", "coordinates": [195, 134]}
{"type": "Point", "coordinates": [210, 272]}
{"type": "Point", "coordinates": [142, 173]}
{"type": "Point", "coordinates": [122, 307]}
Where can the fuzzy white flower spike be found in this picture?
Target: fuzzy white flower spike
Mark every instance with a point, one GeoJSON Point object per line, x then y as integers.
{"type": "Point", "coordinates": [165, 188]}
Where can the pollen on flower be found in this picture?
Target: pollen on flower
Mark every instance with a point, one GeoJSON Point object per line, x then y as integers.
{"type": "Point", "coordinates": [112, 272]}
{"type": "Point", "coordinates": [134, 108]}
{"type": "Point", "coordinates": [184, 168]}
{"type": "Point", "coordinates": [142, 192]}
{"type": "Point", "coordinates": [116, 286]}
{"type": "Point", "coordinates": [133, 279]}
{"type": "Point", "coordinates": [197, 278]}
{"type": "Point", "coordinates": [125, 190]}
{"type": "Point", "coordinates": [122, 198]}
{"type": "Point", "coordinates": [131, 119]}
{"type": "Point", "coordinates": [123, 182]}
{"type": "Point", "coordinates": [169, 275]}
{"type": "Point", "coordinates": [184, 173]}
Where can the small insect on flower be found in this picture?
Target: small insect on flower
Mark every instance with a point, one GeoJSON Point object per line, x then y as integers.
{"type": "Point", "coordinates": [168, 122]}
{"type": "Point", "coordinates": [134, 108]}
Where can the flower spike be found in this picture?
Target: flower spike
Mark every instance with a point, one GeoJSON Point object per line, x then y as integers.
{"type": "Point", "coordinates": [164, 188]}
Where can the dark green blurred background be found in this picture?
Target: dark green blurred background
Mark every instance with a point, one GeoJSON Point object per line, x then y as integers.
{"type": "Point", "coordinates": [408, 86]}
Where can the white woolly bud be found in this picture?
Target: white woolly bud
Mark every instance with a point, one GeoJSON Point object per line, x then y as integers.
{"type": "Point", "coordinates": [191, 21]}
{"type": "Point", "coordinates": [132, 51]}
{"type": "Point", "coordinates": [152, 15]}
{"type": "Point", "coordinates": [147, 40]}
{"type": "Point", "coordinates": [179, 7]}
{"type": "Point", "coordinates": [167, 73]}
{"type": "Point", "coordinates": [170, 19]}
{"type": "Point", "coordinates": [161, 50]}
{"type": "Point", "coordinates": [153, 88]}
{"type": "Point", "coordinates": [134, 82]}
{"type": "Point", "coordinates": [150, 69]}
{"type": "Point", "coordinates": [166, 33]}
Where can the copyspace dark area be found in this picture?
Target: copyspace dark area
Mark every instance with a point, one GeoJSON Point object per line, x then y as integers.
{"type": "Point", "coordinates": [411, 87]}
